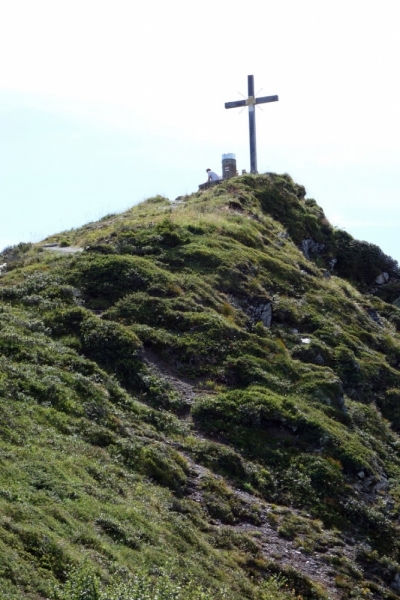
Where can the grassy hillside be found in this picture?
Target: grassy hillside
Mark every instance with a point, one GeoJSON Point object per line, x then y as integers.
{"type": "Point", "coordinates": [203, 402]}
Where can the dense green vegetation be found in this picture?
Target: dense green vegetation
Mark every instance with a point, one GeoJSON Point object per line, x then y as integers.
{"type": "Point", "coordinates": [203, 403]}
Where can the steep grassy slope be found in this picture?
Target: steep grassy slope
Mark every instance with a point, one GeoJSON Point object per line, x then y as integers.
{"type": "Point", "coordinates": [206, 396]}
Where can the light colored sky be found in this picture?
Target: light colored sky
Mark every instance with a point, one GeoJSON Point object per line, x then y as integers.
{"type": "Point", "coordinates": [105, 103]}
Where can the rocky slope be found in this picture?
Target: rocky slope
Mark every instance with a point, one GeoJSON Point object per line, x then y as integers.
{"type": "Point", "coordinates": [202, 392]}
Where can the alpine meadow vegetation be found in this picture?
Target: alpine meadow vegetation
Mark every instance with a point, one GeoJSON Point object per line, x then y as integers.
{"type": "Point", "coordinates": [201, 399]}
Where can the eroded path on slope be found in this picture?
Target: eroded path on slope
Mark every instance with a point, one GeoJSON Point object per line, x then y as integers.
{"type": "Point", "coordinates": [281, 553]}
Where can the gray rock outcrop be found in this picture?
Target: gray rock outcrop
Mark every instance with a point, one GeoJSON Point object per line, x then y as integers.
{"type": "Point", "coordinates": [260, 312]}
{"type": "Point", "coordinates": [308, 246]}
{"type": "Point", "coordinates": [382, 278]}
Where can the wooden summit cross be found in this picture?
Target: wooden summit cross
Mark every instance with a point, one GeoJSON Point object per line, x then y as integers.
{"type": "Point", "coordinates": [251, 102]}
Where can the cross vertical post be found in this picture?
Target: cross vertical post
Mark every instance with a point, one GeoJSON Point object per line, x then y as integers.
{"type": "Point", "coordinates": [251, 102]}
{"type": "Point", "coordinates": [252, 124]}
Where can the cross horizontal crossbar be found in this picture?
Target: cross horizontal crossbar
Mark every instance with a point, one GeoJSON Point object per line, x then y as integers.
{"type": "Point", "coordinates": [236, 104]}
{"type": "Point", "coordinates": [266, 99]}
{"type": "Point", "coordinates": [251, 100]}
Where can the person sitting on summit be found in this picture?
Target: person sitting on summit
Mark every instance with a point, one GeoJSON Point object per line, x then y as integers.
{"type": "Point", "coordinates": [212, 176]}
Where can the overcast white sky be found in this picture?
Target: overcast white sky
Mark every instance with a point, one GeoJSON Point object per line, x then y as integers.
{"type": "Point", "coordinates": [105, 103]}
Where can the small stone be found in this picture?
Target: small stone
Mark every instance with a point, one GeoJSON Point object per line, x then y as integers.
{"type": "Point", "coordinates": [382, 278]}
{"type": "Point", "coordinates": [381, 486]}
{"type": "Point", "coordinates": [341, 401]}
{"type": "Point", "coordinates": [294, 331]}
{"type": "Point", "coordinates": [305, 340]}
{"type": "Point", "coordinates": [395, 585]}
{"type": "Point", "coordinates": [374, 316]}
{"type": "Point", "coordinates": [361, 474]}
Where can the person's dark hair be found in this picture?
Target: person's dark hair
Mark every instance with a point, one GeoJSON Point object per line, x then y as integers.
{"type": "Point", "coordinates": [208, 170]}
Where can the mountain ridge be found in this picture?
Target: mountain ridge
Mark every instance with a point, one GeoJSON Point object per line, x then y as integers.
{"type": "Point", "coordinates": [234, 358]}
